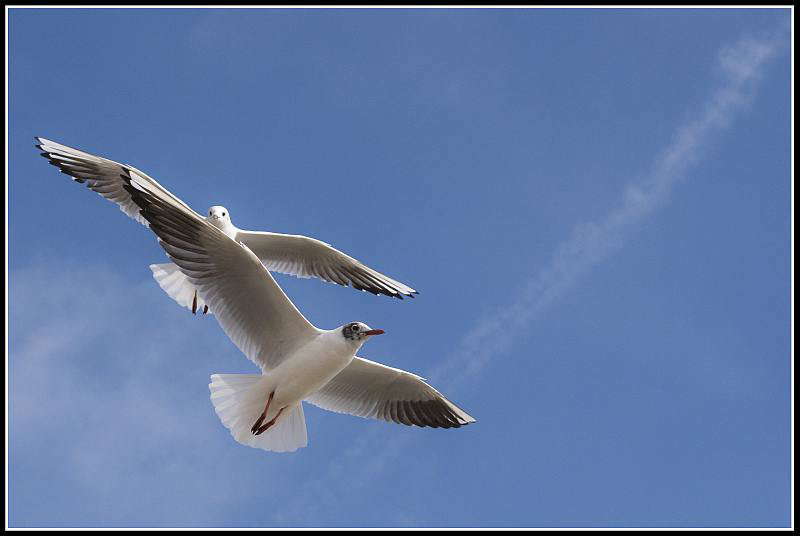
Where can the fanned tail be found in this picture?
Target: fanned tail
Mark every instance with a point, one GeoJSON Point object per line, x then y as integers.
{"type": "Point", "coordinates": [239, 400]}
{"type": "Point", "coordinates": [177, 286]}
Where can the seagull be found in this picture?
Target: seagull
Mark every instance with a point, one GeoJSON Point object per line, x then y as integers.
{"type": "Point", "coordinates": [299, 362]}
{"type": "Point", "coordinates": [296, 255]}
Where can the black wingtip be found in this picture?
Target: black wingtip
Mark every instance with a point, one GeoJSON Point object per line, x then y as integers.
{"type": "Point", "coordinates": [135, 194]}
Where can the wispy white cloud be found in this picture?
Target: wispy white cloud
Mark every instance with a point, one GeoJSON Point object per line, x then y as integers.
{"type": "Point", "coordinates": [591, 243]}
{"type": "Point", "coordinates": [101, 392]}
{"type": "Point", "coordinates": [740, 67]}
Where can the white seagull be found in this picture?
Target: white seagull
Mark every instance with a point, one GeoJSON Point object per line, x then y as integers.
{"type": "Point", "coordinates": [298, 361]}
{"type": "Point", "coordinates": [295, 255]}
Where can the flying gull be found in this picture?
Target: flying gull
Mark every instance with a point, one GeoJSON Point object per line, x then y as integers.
{"type": "Point", "coordinates": [298, 361]}
{"type": "Point", "coordinates": [296, 255]}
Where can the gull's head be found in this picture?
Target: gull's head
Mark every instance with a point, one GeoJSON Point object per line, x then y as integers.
{"type": "Point", "coordinates": [219, 217]}
{"type": "Point", "coordinates": [358, 332]}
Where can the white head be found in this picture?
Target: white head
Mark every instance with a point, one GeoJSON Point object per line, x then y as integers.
{"type": "Point", "coordinates": [220, 217]}
{"type": "Point", "coordinates": [357, 333]}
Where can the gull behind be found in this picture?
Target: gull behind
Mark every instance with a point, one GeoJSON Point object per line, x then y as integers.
{"type": "Point", "coordinates": [296, 255]}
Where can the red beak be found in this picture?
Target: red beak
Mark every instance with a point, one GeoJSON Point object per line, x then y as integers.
{"type": "Point", "coordinates": [374, 332]}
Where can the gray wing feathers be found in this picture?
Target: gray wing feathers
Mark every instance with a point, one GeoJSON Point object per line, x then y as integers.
{"type": "Point", "coordinates": [371, 390]}
{"type": "Point", "coordinates": [103, 176]}
{"type": "Point", "coordinates": [302, 256]}
{"type": "Point", "coordinates": [250, 307]}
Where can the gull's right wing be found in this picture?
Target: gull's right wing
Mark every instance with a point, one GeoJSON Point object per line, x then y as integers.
{"type": "Point", "coordinates": [104, 176]}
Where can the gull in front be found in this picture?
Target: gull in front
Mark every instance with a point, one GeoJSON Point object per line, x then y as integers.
{"type": "Point", "coordinates": [298, 361]}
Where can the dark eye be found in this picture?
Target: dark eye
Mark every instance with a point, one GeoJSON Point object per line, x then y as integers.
{"type": "Point", "coordinates": [355, 327]}
{"type": "Point", "coordinates": [223, 214]}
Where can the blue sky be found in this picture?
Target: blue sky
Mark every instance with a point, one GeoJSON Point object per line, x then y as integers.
{"type": "Point", "coordinates": [594, 205]}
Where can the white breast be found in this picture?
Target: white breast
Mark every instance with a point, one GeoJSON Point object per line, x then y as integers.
{"type": "Point", "coordinates": [311, 367]}
{"type": "Point", "coordinates": [223, 225]}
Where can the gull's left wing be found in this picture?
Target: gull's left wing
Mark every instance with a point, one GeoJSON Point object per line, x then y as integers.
{"type": "Point", "coordinates": [249, 305]}
{"type": "Point", "coordinates": [371, 390]}
{"type": "Point", "coordinates": [302, 256]}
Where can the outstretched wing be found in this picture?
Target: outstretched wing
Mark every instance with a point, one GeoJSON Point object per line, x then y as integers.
{"type": "Point", "coordinates": [302, 256]}
{"type": "Point", "coordinates": [296, 255]}
{"type": "Point", "coordinates": [105, 176]}
{"type": "Point", "coordinates": [371, 390]}
{"type": "Point", "coordinates": [249, 305]}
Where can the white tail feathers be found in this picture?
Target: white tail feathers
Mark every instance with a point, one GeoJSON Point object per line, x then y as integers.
{"type": "Point", "coordinates": [177, 286]}
{"type": "Point", "coordinates": [239, 400]}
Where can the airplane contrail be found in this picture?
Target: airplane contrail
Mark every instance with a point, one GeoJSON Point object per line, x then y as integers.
{"type": "Point", "coordinates": [589, 244]}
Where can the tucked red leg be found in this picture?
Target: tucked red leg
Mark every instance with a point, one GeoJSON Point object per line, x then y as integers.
{"type": "Point", "coordinates": [270, 423]}
{"type": "Point", "coordinates": [263, 415]}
